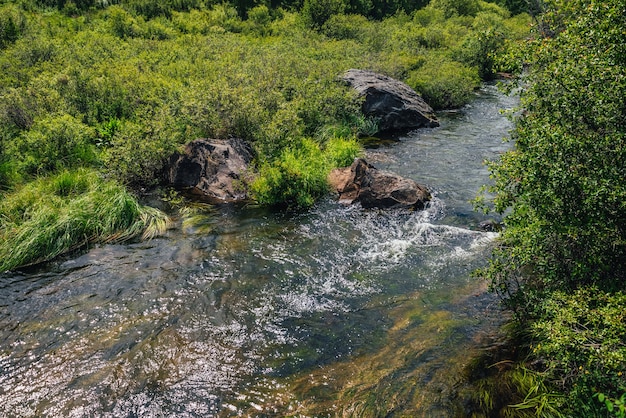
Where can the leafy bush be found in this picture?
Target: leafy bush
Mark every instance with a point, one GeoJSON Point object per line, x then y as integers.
{"type": "Point", "coordinates": [480, 50]}
{"type": "Point", "coordinates": [12, 24]}
{"type": "Point", "coordinates": [341, 151]}
{"type": "Point", "coordinates": [561, 260]}
{"type": "Point", "coordinates": [444, 83]}
{"type": "Point", "coordinates": [563, 181]}
{"type": "Point", "coordinates": [340, 26]}
{"type": "Point", "coordinates": [581, 338]}
{"type": "Point", "coordinates": [296, 179]}
{"type": "Point", "coordinates": [53, 143]}
{"type": "Point", "coordinates": [456, 7]}
{"type": "Point", "coordinates": [317, 12]}
{"type": "Point", "coordinates": [299, 176]}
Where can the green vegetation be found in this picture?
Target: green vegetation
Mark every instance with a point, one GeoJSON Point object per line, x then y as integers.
{"type": "Point", "coordinates": [52, 215]}
{"type": "Point", "coordinates": [114, 88]}
{"type": "Point", "coordinates": [561, 260]}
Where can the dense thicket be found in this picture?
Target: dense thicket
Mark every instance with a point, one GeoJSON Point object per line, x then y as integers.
{"type": "Point", "coordinates": [377, 9]}
{"type": "Point", "coordinates": [116, 88]}
{"type": "Point", "coordinates": [561, 262]}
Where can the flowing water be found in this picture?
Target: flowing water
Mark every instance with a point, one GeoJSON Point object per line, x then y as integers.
{"type": "Point", "coordinates": [337, 311]}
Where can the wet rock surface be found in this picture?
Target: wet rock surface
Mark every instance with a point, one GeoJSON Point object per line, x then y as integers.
{"type": "Point", "coordinates": [373, 188]}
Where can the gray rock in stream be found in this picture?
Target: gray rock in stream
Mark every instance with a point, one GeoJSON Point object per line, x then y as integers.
{"type": "Point", "coordinates": [373, 188]}
{"type": "Point", "coordinates": [393, 103]}
{"type": "Point", "coordinates": [212, 169]}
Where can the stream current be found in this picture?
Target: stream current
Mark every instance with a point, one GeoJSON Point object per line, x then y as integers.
{"type": "Point", "coordinates": [336, 311]}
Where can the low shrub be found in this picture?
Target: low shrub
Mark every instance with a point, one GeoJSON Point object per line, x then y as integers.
{"type": "Point", "coordinates": [12, 24]}
{"type": "Point", "coordinates": [580, 339]}
{"type": "Point", "coordinates": [444, 83]}
{"type": "Point", "coordinates": [453, 8]}
{"type": "Point", "coordinates": [317, 12]}
{"type": "Point", "coordinates": [53, 143]}
{"type": "Point", "coordinates": [299, 176]}
{"type": "Point", "coordinates": [340, 26]}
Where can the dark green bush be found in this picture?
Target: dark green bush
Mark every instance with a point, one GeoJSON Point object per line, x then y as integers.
{"type": "Point", "coordinates": [581, 338]}
{"type": "Point", "coordinates": [480, 50]}
{"type": "Point", "coordinates": [12, 24]}
{"type": "Point", "coordinates": [560, 263]}
{"type": "Point", "coordinates": [317, 12]}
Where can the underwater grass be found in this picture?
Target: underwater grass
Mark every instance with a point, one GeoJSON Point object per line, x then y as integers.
{"type": "Point", "coordinates": [53, 215]}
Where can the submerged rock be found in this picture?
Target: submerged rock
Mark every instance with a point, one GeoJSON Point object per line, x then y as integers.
{"type": "Point", "coordinates": [373, 188]}
{"type": "Point", "coordinates": [212, 169]}
{"type": "Point", "coordinates": [393, 103]}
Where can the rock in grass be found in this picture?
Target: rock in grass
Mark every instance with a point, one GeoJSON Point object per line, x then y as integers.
{"type": "Point", "coordinates": [212, 169]}
{"type": "Point", "coordinates": [373, 188]}
{"type": "Point", "coordinates": [393, 103]}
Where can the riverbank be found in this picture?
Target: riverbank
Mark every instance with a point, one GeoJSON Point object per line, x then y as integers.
{"type": "Point", "coordinates": [561, 260]}
{"type": "Point", "coordinates": [116, 90]}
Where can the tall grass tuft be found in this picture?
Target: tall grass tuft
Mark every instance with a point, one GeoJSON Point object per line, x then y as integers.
{"type": "Point", "coordinates": [299, 176]}
{"type": "Point", "coordinates": [56, 214]}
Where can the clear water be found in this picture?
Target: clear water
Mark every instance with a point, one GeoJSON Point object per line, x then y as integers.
{"type": "Point", "coordinates": [247, 312]}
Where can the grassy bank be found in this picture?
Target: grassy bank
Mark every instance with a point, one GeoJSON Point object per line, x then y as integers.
{"type": "Point", "coordinates": [66, 211]}
{"type": "Point", "coordinates": [561, 262]}
{"type": "Point", "coordinates": [117, 87]}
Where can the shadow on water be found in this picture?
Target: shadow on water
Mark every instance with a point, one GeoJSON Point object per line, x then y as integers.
{"type": "Point", "coordinates": [244, 312]}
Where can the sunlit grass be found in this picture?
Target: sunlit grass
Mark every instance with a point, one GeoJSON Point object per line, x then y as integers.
{"type": "Point", "coordinates": [57, 214]}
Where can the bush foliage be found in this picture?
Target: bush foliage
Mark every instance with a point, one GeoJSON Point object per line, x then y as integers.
{"type": "Point", "coordinates": [561, 261]}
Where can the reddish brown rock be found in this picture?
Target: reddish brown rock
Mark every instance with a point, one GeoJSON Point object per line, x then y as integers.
{"type": "Point", "coordinates": [373, 188]}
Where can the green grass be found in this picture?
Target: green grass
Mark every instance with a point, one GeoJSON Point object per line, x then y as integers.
{"type": "Point", "coordinates": [56, 214]}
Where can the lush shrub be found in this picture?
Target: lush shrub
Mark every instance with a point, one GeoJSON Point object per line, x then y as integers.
{"type": "Point", "coordinates": [480, 50]}
{"type": "Point", "coordinates": [456, 7]}
{"type": "Point", "coordinates": [220, 18]}
{"type": "Point", "coordinates": [299, 176]}
{"type": "Point", "coordinates": [444, 83]}
{"type": "Point", "coordinates": [561, 260]}
{"type": "Point", "coordinates": [259, 19]}
{"type": "Point", "coordinates": [138, 152]}
{"type": "Point", "coordinates": [296, 179]}
{"type": "Point", "coordinates": [341, 151]}
{"type": "Point", "coordinates": [317, 12]}
{"type": "Point", "coordinates": [564, 180]}
{"type": "Point", "coordinates": [580, 337]}
{"type": "Point", "coordinates": [53, 143]}
{"type": "Point", "coordinates": [342, 26]}
{"type": "Point", "coordinates": [12, 24]}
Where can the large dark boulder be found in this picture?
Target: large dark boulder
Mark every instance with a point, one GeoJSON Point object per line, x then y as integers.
{"type": "Point", "coordinates": [373, 188]}
{"type": "Point", "coordinates": [393, 103]}
{"type": "Point", "coordinates": [212, 169]}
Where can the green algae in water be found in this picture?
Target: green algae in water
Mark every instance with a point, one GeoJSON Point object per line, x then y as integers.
{"type": "Point", "coordinates": [415, 369]}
